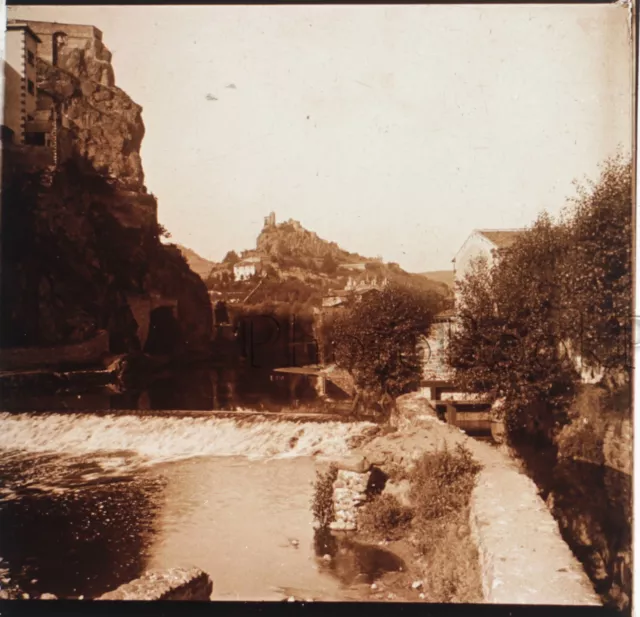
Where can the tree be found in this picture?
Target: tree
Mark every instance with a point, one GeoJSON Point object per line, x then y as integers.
{"type": "Point", "coordinates": [231, 258]}
{"type": "Point", "coordinates": [597, 275]}
{"type": "Point", "coordinates": [377, 340]}
{"type": "Point", "coordinates": [508, 339]}
{"type": "Point", "coordinates": [561, 293]}
{"type": "Point", "coordinates": [329, 265]}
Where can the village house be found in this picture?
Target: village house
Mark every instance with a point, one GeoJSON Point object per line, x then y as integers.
{"type": "Point", "coordinates": [489, 244]}
{"type": "Point", "coordinates": [247, 268]}
{"type": "Point", "coordinates": [365, 282]}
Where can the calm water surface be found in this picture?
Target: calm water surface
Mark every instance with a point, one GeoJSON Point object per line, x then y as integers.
{"type": "Point", "coordinates": [88, 502]}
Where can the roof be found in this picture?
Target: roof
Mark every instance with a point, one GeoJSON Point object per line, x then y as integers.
{"type": "Point", "coordinates": [502, 238]}
{"type": "Point", "coordinates": [14, 24]}
{"type": "Point", "coordinates": [248, 261]}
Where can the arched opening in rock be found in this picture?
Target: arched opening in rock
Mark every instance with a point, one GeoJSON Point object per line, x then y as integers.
{"type": "Point", "coordinates": [164, 332]}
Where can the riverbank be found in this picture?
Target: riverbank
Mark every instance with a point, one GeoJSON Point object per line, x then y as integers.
{"type": "Point", "coordinates": [521, 556]}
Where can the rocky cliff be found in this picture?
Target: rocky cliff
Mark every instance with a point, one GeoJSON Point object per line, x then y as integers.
{"type": "Point", "coordinates": [291, 239]}
{"type": "Point", "coordinates": [81, 247]}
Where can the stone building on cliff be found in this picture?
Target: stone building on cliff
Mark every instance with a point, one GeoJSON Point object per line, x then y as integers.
{"type": "Point", "coordinates": [81, 253]}
{"type": "Point", "coordinates": [32, 116]}
{"type": "Point", "coordinates": [21, 52]}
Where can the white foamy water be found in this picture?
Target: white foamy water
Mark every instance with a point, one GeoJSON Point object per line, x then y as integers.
{"type": "Point", "coordinates": [166, 438]}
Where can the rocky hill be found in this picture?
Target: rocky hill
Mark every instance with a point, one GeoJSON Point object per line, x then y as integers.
{"type": "Point", "coordinates": [302, 267]}
{"type": "Point", "coordinates": [290, 239]}
{"type": "Point", "coordinates": [81, 251]}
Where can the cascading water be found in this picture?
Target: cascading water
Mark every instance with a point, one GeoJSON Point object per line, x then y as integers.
{"type": "Point", "coordinates": [89, 500]}
{"type": "Point", "coordinates": [166, 438]}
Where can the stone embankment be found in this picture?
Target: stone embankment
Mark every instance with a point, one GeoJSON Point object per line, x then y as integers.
{"type": "Point", "coordinates": [172, 584]}
{"type": "Point", "coordinates": [349, 491]}
{"type": "Point", "coordinates": [523, 558]}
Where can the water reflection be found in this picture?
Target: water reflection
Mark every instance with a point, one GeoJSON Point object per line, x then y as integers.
{"type": "Point", "coordinates": [198, 388]}
{"type": "Point", "coordinates": [593, 507]}
{"type": "Point", "coordinates": [248, 524]}
{"type": "Point", "coordinates": [351, 561]}
{"type": "Point", "coordinates": [73, 541]}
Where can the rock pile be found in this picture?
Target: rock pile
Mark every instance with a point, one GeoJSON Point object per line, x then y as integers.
{"type": "Point", "coordinates": [350, 491]}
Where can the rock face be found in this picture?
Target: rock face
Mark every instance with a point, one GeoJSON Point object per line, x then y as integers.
{"type": "Point", "coordinates": [82, 248]}
{"type": "Point", "coordinates": [99, 124]}
{"type": "Point", "coordinates": [290, 238]}
{"type": "Point", "coordinates": [173, 584]}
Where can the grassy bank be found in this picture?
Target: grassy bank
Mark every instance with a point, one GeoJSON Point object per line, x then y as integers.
{"type": "Point", "coordinates": [422, 515]}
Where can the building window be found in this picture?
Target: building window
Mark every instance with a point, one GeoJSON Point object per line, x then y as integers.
{"type": "Point", "coordinates": [35, 139]}
{"type": "Point", "coordinates": [30, 87]}
{"type": "Point", "coordinates": [31, 59]}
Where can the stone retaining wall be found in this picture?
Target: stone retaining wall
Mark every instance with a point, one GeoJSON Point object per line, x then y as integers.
{"type": "Point", "coordinates": [172, 584]}
{"type": "Point", "coordinates": [350, 490]}
{"type": "Point", "coordinates": [523, 558]}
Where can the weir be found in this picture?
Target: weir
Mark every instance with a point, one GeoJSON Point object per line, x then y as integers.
{"type": "Point", "coordinates": [160, 437]}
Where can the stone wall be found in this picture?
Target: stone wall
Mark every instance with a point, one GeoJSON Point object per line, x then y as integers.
{"type": "Point", "coordinates": [350, 490]}
{"type": "Point", "coordinates": [173, 584]}
{"type": "Point", "coordinates": [523, 558]}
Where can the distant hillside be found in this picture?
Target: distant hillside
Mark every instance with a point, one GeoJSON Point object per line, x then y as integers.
{"type": "Point", "coordinates": [299, 266]}
{"type": "Point", "coordinates": [440, 276]}
{"type": "Point", "coordinates": [201, 266]}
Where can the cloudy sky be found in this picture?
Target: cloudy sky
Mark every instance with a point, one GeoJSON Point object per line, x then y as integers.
{"type": "Point", "coordinates": [392, 130]}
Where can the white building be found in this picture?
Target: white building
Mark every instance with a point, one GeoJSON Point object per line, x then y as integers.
{"type": "Point", "coordinates": [487, 244]}
{"type": "Point", "coordinates": [21, 51]}
{"type": "Point", "coordinates": [247, 268]}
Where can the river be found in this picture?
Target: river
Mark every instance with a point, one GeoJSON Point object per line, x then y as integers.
{"type": "Point", "coordinates": [89, 501]}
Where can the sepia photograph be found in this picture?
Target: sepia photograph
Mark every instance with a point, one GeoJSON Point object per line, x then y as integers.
{"type": "Point", "coordinates": [318, 303]}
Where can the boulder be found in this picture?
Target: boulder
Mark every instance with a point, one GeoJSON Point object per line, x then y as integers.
{"type": "Point", "coordinates": [355, 462]}
{"type": "Point", "coordinates": [172, 584]}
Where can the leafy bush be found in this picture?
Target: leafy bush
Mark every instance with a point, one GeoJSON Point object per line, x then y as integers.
{"type": "Point", "coordinates": [442, 481]}
{"type": "Point", "coordinates": [322, 503]}
{"type": "Point", "coordinates": [384, 517]}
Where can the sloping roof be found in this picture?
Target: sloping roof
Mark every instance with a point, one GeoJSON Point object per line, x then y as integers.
{"type": "Point", "coordinates": [502, 238]}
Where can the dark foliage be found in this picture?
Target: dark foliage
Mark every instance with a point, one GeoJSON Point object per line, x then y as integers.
{"type": "Point", "coordinates": [376, 340]}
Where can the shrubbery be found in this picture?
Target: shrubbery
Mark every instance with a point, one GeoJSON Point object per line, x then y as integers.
{"type": "Point", "coordinates": [441, 485]}
{"type": "Point", "coordinates": [384, 517]}
{"type": "Point", "coordinates": [322, 504]}
{"type": "Point", "coordinates": [442, 482]}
